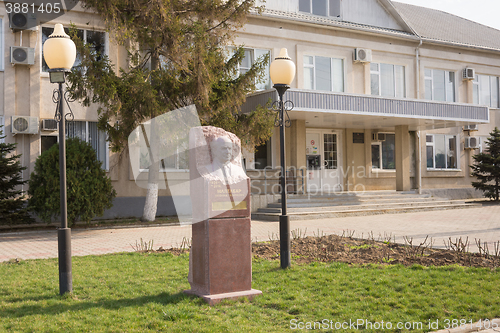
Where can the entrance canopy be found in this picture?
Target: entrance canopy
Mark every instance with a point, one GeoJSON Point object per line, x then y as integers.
{"type": "Point", "coordinates": [341, 110]}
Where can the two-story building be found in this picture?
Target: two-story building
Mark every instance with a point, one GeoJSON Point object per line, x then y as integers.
{"type": "Point", "coordinates": [387, 96]}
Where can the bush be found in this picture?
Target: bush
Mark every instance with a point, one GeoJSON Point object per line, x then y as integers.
{"type": "Point", "coordinates": [89, 190]}
{"type": "Point", "coordinates": [12, 203]}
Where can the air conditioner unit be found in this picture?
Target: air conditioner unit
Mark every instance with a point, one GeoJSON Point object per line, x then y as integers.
{"type": "Point", "coordinates": [471, 142]}
{"type": "Point", "coordinates": [362, 55]}
{"type": "Point", "coordinates": [22, 21]}
{"type": "Point", "coordinates": [22, 55]}
{"type": "Point", "coordinates": [469, 73]}
{"type": "Point", "coordinates": [24, 125]}
{"type": "Point", "coordinates": [378, 137]}
{"type": "Point", "coordinates": [49, 125]}
{"type": "Point", "coordinates": [470, 127]}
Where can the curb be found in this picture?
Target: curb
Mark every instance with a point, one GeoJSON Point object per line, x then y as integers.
{"type": "Point", "coordinates": [104, 227]}
{"type": "Point", "coordinates": [489, 326]}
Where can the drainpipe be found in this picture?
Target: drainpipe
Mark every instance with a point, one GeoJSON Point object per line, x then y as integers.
{"type": "Point", "coordinates": [419, 154]}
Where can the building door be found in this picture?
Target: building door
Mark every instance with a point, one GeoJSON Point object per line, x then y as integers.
{"type": "Point", "coordinates": [313, 161]}
{"type": "Point", "coordinates": [324, 173]}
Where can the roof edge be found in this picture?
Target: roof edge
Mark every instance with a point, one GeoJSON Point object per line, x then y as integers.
{"type": "Point", "coordinates": [389, 7]}
{"type": "Point", "coordinates": [334, 24]}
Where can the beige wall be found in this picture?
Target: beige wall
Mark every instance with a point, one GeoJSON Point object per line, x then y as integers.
{"type": "Point", "coordinates": [306, 39]}
{"type": "Point", "coordinates": [24, 90]}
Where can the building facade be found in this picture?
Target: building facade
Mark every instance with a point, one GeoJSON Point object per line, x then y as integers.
{"type": "Point", "coordinates": [386, 96]}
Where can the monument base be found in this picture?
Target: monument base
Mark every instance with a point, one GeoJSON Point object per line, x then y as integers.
{"type": "Point", "coordinates": [221, 256]}
{"type": "Point", "coordinates": [216, 298]}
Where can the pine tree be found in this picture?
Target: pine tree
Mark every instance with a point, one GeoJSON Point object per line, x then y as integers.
{"type": "Point", "coordinates": [486, 167]}
{"type": "Point", "coordinates": [178, 56]}
{"type": "Point", "coordinates": [12, 203]}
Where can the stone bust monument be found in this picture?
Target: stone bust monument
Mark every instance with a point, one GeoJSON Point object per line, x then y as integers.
{"type": "Point", "coordinates": [220, 264]}
{"type": "Point", "coordinates": [222, 168]}
{"type": "Point", "coordinates": [217, 154]}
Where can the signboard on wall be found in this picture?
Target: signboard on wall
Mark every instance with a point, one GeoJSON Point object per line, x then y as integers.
{"type": "Point", "coordinates": [312, 144]}
{"type": "Point", "coordinates": [358, 137]}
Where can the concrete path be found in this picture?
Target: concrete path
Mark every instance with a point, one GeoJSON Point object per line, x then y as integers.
{"type": "Point", "coordinates": [475, 223]}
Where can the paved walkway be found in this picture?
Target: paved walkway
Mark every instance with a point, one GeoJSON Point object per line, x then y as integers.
{"type": "Point", "coordinates": [475, 223]}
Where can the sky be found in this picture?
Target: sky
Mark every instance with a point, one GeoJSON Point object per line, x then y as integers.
{"type": "Point", "coordinates": [482, 11]}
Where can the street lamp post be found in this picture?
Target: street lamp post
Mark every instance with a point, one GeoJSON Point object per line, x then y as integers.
{"type": "Point", "coordinates": [282, 71]}
{"type": "Point", "coordinates": [60, 53]}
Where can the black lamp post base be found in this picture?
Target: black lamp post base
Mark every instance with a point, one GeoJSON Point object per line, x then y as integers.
{"type": "Point", "coordinates": [64, 246]}
{"type": "Point", "coordinates": [285, 241]}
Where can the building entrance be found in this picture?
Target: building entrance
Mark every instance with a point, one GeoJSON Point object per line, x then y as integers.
{"type": "Point", "coordinates": [323, 159]}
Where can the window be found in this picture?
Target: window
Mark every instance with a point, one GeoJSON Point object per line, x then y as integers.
{"type": "Point", "coordinates": [176, 153]}
{"type": "Point", "coordinates": [87, 131]}
{"type": "Point", "coordinates": [439, 85]}
{"type": "Point", "coordinates": [441, 151]}
{"type": "Point", "coordinates": [483, 143]}
{"type": "Point", "coordinates": [486, 90]}
{"type": "Point", "coordinates": [321, 7]}
{"type": "Point", "coordinates": [96, 39]}
{"type": "Point", "coordinates": [387, 80]}
{"type": "Point", "coordinates": [47, 141]}
{"type": "Point", "coordinates": [322, 73]}
{"type": "Point", "coordinates": [263, 155]}
{"type": "Point", "coordinates": [252, 55]}
{"type": "Point", "coordinates": [179, 160]}
{"type": "Point", "coordinates": [330, 151]}
{"type": "Point", "coordinates": [383, 152]}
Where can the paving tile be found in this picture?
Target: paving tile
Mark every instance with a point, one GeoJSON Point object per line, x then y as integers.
{"type": "Point", "coordinates": [472, 223]}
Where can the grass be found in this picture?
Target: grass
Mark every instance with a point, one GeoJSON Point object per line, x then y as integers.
{"type": "Point", "coordinates": [138, 292]}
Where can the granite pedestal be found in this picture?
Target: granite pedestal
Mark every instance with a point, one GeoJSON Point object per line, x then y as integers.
{"type": "Point", "coordinates": [221, 252]}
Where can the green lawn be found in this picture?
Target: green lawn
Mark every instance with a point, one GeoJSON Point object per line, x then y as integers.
{"type": "Point", "coordinates": [137, 292]}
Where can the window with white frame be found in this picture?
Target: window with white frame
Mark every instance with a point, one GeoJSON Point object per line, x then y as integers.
{"type": "Point", "coordinates": [441, 151]}
{"type": "Point", "coordinates": [96, 39]}
{"type": "Point", "coordinates": [387, 80]}
{"type": "Point", "coordinates": [323, 73]}
{"type": "Point", "coordinates": [251, 56]}
{"type": "Point", "coordinates": [178, 159]}
{"type": "Point", "coordinates": [175, 153]}
{"type": "Point", "coordinates": [330, 8]}
{"type": "Point", "coordinates": [486, 90]}
{"type": "Point", "coordinates": [87, 131]}
{"type": "Point", "coordinates": [483, 143]}
{"type": "Point", "coordinates": [439, 85]}
{"type": "Point", "coordinates": [383, 152]}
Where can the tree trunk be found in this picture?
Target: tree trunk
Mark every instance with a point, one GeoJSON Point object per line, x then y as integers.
{"type": "Point", "coordinates": [151, 204]}
{"type": "Point", "coordinates": [496, 190]}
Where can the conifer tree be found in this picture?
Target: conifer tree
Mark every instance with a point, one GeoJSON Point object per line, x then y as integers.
{"type": "Point", "coordinates": [178, 56]}
{"type": "Point", "coordinates": [486, 167]}
{"type": "Point", "coordinates": [89, 193]}
{"type": "Point", "coordinates": [12, 203]}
